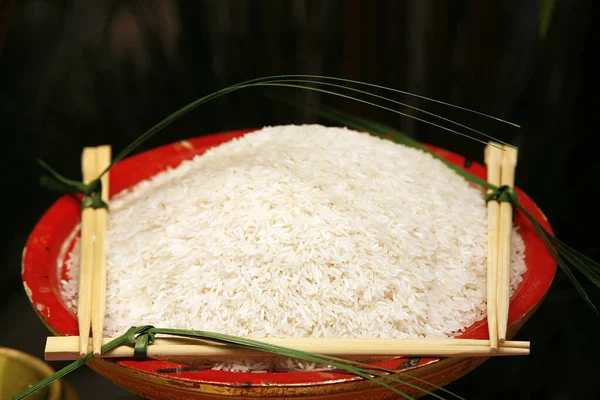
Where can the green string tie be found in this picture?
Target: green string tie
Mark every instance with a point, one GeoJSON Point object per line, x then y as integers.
{"type": "Point", "coordinates": [93, 196]}
{"type": "Point", "coordinates": [92, 191]}
{"type": "Point", "coordinates": [139, 338]}
{"type": "Point", "coordinates": [503, 193]}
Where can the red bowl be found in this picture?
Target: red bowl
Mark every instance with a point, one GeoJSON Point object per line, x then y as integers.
{"type": "Point", "coordinates": [168, 380]}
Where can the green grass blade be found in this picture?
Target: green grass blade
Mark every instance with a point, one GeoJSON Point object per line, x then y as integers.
{"type": "Point", "coordinates": [256, 345]}
{"type": "Point", "coordinates": [592, 263]}
{"type": "Point", "coordinates": [279, 81]}
{"type": "Point", "coordinates": [69, 368]}
{"type": "Point", "coordinates": [391, 90]}
{"type": "Point", "coordinates": [59, 374]}
{"type": "Point", "coordinates": [290, 85]}
{"type": "Point", "coordinates": [391, 101]}
{"type": "Point", "coordinates": [575, 259]}
{"type": "Point", "coordinates": [545, 236]}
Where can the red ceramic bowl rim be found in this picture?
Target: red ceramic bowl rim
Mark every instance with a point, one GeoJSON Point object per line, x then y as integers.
{"type": "Point", "coordinates": [41, 282]}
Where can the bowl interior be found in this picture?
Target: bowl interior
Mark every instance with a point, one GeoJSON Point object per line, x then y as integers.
{"type": "Point", "coordinates": [53, 234]}
{"type": "Point", "coordinates": [19, 370]}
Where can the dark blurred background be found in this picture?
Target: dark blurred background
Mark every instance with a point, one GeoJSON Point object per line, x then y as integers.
{"type": "Point", "coordinates": [78, 73]}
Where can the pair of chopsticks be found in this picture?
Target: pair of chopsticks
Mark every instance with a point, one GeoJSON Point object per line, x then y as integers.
{"type": "Point", "coordinates": [92, 275]}
{"type": "Point", "coordinates": [66, 348]}
{"type": "Point", "coordinates": [501, 162]}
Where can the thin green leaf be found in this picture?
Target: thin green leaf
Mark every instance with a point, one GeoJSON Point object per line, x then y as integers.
{"type": "Point", "coordinates": [59, 374]}
{"type": "Point", "coordinates": [290, 85]}
{"type": "Point", "coordinates": [544, 235]}
{"type": "Point", "coordinates": [76, 364]}
{"type": "Point", "coordinates": [388, 100]}
{"type": "Point", "coordinates": [340, 363]}
{"type": "Point", "coordinates": [53, 185]}
{"type": "Point", "coordinates": [395, 91]}
{"type": "Point", "coordinates": [61, 181]}
{"type": "Point", "coordinates": [584, 264]}
{"type": "Point", "coordinates": [592, 263]}
{"type": "Point", "coordinates": [279, 81]}
{"type": "Point", "coordinates": [575, 260]}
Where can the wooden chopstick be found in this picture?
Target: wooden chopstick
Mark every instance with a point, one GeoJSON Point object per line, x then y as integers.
{"type": "Point", "coordinates": [65, 347]}
{"type": "Point", "coordinates": [509, 164]}
{"type": "Point", "coordinates": [493, 159]}
{"type": "Point", "coordinates": [92, 276]}
{"type": "Point", "coordinates": [88, 227]}
{"type": "Point", "coordinates": [103, 158]}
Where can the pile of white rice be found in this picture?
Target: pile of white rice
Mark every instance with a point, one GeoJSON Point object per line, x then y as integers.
{"type": "Point", "coordinates": [300, 231]}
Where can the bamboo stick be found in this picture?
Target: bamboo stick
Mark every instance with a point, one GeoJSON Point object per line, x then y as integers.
{"type": "Point", "coordinates": [103, 158]}
{"type": "Point", "coordinates": [509, 164]}
{"type": "Point", "coordinates": [65, 347]}
{"type": "Point", "coordinates": [88, 226]}
{"type": "Point", "coordinates": [493, 159]}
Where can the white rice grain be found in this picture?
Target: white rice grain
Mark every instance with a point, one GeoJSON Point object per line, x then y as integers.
{"type": "Point", "coordinates": [300, 231]}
